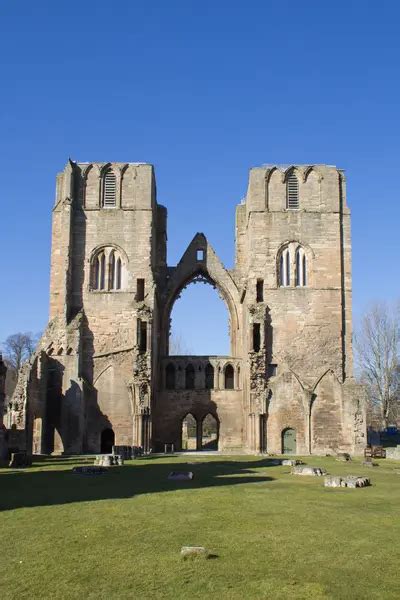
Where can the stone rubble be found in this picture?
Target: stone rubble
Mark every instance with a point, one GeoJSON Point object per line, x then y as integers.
{"type": "Point", "coordinates": [194, 552]}
{"type": "Point", "coordinates": [307, 470]}
{"type": "Point", "coordinates": [109, 460]}
{"type": "Point", "coordinates": [349, 481]}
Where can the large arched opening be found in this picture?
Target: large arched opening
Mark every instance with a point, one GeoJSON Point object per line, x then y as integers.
{"type": "Point", "coordinates": [199, 324]}
{"type": "Point", "coordinates": [199, 321]}
{"type": "Point", "coordinates": [189, 433]}
{"type": "Point", "coordinates": [209, 433]}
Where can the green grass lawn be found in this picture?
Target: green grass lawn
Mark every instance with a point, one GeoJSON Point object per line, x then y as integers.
{"type": "Point", "coordinates": [274, 535]}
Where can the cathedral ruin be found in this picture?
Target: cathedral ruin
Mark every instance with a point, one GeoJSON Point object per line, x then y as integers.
{"type": "Point", "coordinates": [102, 373]}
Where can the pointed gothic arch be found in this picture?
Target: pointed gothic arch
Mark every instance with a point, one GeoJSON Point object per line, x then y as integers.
{"type": "Point", "coordinates": [210, 269]}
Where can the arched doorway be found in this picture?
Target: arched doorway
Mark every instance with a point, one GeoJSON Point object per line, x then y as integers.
{"type": "Point", "coordinates": [189, 433]}
{"type": "Point", "coordinates": [107, 441]}
{"type": "Point", "coordinates": [209, 433]}
{"type": "Point", "coordinates": [289, 441]}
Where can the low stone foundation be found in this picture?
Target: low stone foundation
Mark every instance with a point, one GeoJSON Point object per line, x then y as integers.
{"type": "Point", "coordinates": [109, 460]}
{"type": "Point", "coordinates": [350, 481]}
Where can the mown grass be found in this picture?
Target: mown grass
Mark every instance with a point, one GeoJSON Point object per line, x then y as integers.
{"type": "Point", "coordinates": [275, 535]}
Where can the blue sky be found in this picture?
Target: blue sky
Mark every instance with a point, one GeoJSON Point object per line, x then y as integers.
{"type": "Point", "coordinates": [203, 90]}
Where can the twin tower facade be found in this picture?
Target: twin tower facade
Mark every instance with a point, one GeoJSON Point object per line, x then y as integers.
{"type": "Point", "coordinates": [103, 374]}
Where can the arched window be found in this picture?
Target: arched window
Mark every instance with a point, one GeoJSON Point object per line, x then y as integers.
{"type": "Point", "coordinates": [111, 270]}
{"type": "Point", "coordinates": [293, 265]}
{"type": "Point", "coordinates": [170, 373]}
{"type": "Point", "coordinates": [189, 377]}
{"type": "Point", "coordinates": [209, 372]}
{"type": "Point", "coordinates": [229, 377]}
{"type": "Point", "coordinates": [107, 270]}
{"type": "Point", "coordinates": [301, 268]}
{"type": "Point", "coordinates": [109, 189]}
{"type": "Point", "coordinates": [98, 271]}
{"type": "Point", "coordinates": [284, 268]}
{"type": "Point", "coordinates": [292, 191]}
{"type": "Point", "coordinates": [118, 275]}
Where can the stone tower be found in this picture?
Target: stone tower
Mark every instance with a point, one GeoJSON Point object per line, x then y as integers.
{"type": "Point", "coordinates": [102, 373]}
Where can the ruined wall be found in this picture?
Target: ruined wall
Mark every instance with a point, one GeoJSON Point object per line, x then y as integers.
{"type": "Point", "coordinates": [101, 363]}
{"type": "Point", "coordinates": [307, 324]}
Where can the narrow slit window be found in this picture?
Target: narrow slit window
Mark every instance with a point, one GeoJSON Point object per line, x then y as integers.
{"type": "Point", "coordinates": [102, 268]}
{"type": "Point", "coordinates": [260, 290]}
{"type": "Point", "coordinates": [284, 268]}
{"type": "Point", "coordinates": [111, 270]}
{"type": "Point", "coordinates": [142, 335]}
{"type": "Point", "coordinates": [301, 268]}
{"type": "Point", "coordinates": [200, 254]}
{"type": "Point", "coordinates": [292, 192]}
{"type": "Point", "coordinates": [256, 337]}
{"type": "Point", "coordinates": [281, 270]}
{"type": "Point", "coordinates": [118, 275]}
{"type": "Point", "coordinates": [287, 278]}
{"type": "Point", "coordinates": [298, 268]}
{"type": "Point", "coordinates": [140, 290]}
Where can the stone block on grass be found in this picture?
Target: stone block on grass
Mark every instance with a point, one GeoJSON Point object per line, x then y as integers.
{"type": "Point", "coordinates": [355, 481]}
{"type": "Point", "coordinates": [349, 481]}
{"type": "Point", "coordinates": [307, 470]}
{"type": "Point", "coordinates": [109, 460]}
{"type": "Point", "coordinates": [194, 552]}
{"type": "Point", "coordinates": [333, 481]}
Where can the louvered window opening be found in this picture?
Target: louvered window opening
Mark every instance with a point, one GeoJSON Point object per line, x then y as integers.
{"type": "Point", "coordinates": [292, 192]}
{"type": "Point", "coordinates": [110, 190]}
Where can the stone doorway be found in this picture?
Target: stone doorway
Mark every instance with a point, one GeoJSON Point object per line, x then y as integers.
{"type": "Point", "coordinates": [209, 433]}
{"type": "Point", "coordinates": [289, 445]}
{"type": "Point", "coordinates": [107, 441]}
{"type": "Point", "coordinates": [189, 433]}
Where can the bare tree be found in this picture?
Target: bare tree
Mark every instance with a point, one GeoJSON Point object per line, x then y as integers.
{"type": "Point", "coordinates": [18, 348]}
{"type": "Point", "coordinates": [378, 355]}
{"type": "Point", "coordinates": [177, 346]}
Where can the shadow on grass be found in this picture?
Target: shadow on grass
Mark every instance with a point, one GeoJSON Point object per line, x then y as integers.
{"type": "Point", "coordinates": [29, 488]}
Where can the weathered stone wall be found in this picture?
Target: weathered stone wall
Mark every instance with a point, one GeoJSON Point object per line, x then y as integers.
{"type": "Point", "coordinates": [101, 363]}
{"type": "Point", "coordinates": [308, 332]}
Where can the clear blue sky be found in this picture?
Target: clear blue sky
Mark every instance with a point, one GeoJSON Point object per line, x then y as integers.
{"type": "Point", "coordinates": [203, 90]}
